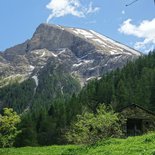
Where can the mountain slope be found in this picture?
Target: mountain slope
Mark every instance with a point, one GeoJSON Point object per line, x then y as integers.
{"type": "Point", "coordinates": [84, 53]}
{"type": "Point", "coordinates": [56, 62]}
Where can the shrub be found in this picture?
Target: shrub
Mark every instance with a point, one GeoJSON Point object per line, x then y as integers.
{"type": "Point", "coordinates": [91, 127]}
{"type": "Point", "coordinates": [8, 130]}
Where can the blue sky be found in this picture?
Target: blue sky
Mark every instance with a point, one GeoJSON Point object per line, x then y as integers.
{"type": "Point", "coordinates": [133, 25]}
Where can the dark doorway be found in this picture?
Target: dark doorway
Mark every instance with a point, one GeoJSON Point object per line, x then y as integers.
{"type": "Point", "coordinates": [134, 127]}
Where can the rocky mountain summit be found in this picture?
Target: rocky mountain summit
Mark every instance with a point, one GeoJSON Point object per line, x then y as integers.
{"type": "Point", "coordinates": [84, 54]}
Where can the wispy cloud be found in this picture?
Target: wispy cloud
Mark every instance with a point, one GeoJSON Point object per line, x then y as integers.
{"type": "Point", "coordinates": [91, 9]}
{"type": "Point", "coordinates": [60, 8]}
{"type": "Point", "coordinates": [145, 31]}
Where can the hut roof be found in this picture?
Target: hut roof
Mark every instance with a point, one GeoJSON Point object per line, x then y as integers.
{"type": "Point", "coordinates": [135, 105]}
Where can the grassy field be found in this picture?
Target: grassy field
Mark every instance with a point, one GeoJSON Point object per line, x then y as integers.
{"type": "Point", "coordinates": [140, 145]}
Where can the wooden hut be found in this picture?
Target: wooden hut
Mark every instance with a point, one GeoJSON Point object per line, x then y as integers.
{"type": "Point", "coordinates": [138, 120]}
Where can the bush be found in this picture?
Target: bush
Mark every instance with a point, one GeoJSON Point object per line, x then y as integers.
{"type": "Point", "coordinates": [8, 130]}
{"type": "Point", "coordinates": [91, 127]}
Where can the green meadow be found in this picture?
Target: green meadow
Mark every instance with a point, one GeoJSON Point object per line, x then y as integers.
{"type": "Point", "coordinates": [140, 145]}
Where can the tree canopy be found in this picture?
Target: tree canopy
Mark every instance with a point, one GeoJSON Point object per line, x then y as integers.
{"type": "Point", "coordinates": [8, 129]}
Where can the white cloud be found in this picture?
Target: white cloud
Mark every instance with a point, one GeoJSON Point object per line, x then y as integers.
{"type": "Point", "coordinates": [145, 31]}
{"type": "Point", "coordinates": [60, 8]}
{"type": "Point", "coordinates": [91, 9]}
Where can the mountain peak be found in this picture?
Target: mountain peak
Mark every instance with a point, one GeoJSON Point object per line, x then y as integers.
{"type": "Point", "coordinates": [100, 42]}
{"type": "Point", "coordinates": [84, 54]}
{"type": "Point", "coordinates": [46, 25]}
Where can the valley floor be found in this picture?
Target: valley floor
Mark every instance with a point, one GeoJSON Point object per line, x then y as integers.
{"type": "Point", "coordinates": [140, 145]}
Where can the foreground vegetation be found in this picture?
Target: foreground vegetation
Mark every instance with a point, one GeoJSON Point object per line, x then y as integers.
{"type": "Point", "coordinates": [140, 145]}
{"type": "Point", "coordinates": [90, 128]}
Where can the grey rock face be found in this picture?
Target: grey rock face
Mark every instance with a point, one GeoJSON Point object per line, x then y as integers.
{"type": "Point", "coordinates": [84, 54]}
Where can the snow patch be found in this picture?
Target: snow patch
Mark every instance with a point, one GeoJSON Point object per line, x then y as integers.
{"type": "Point", "coordinates": [98, 40]}
{"type": "Point", "coordinates": [114, 52]}
{"type": "Point", "coordinates": [90, 78]}
{"type": "Point", "coordinates": [88, 61]}
{"type": "Point", "coordinates": [116, 43]}
{"type": "Point", "coordinates": [85, 33]}
{"type": "Point", "coordinates": [82, 62]}
{"type": "Point", "coordinates": [90, 35]}
{"type": "Point", "coordinates": [77, 65]}
{"type": "Point", "coordinates": [60, 27]}
{"type": "Point", "coordinates": [128, 53]}
{"type": "Point", "coordinates": [62, 90]}
{"type": "Point", "coordinates": [99, 78]}
{"type": "Point", "coordinates": [120, 49]}
{"type": "Point", "coordinates": [117, 57]}
{"type": "Point", "coordinates": [64, 50]}
{"type": "Point", "coordinates": [103, 41]}
{"type": "Point", "coordinates": [106, 64]}
{"type": "Point", "coordinates": [43, 54]}
{"type": "Point", "coordinates": [36, 80]}
{"type": "Point", "coordinates": [55, 55]}
{"type": "Point", "coordinates": [93, 68]}
{"type": "Point", "coordinates": [83, 57]}
{"type": "Point", "coordinates": [32, 67]}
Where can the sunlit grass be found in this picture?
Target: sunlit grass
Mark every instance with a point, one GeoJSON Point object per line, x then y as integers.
{"type": "Point", "coordinates": [140, 145]}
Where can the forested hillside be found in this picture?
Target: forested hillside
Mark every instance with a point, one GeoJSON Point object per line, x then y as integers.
{"type": "Point", "coordinates": [135, 83]}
